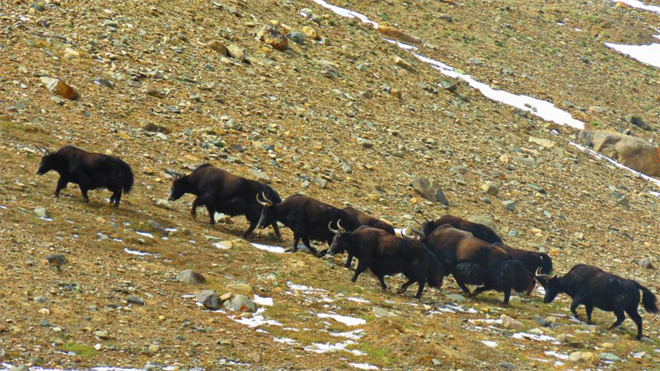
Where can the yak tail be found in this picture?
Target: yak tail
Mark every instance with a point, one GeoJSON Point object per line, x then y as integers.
{"type": "Point", "coordinates": [124, 172]}
{"type": "Point", "coordinates": [546, 264]}
{"type": "Point", "coordinates": [513, 273]}
{"type": "Point", "coordinates": [471, 273]}
{"type": "Point", "coordinates": [648, 300]}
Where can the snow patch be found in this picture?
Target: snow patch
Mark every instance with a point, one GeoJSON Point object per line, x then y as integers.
{"type": "Point", "coordinates": [640, 5]}
{"type": "Point", "coordinates": [346, 13]}
{"type": "Point", "coordinates": [257, 319]}
{"type": "Point", "coordinates": [136, 252]}
{"type": "Point", "coordinates": [556, 355]}
{"type": "Point", "coordinates": [526, 335]}
{"type": "Point", "coordinates": [489, 343]}
{"type": "Point", "coordinates": [348, 321]}
{"type": "Point", "coordinates": [262, 301]}
{"type": "Point", "coordinates": [269, 248]}
{"type": "Point", "coordinates": [328, 347]}
{"type": "Point", "coordinates": [353, 335]}
{"type": "Point", "coordinates": [145, 234]}
{"type": "Point", "coordinates": [358, 300]}
{"type": "Point", "coordinates": [647, 54]}
{"type": "Point", "coordinates": [363, 366]}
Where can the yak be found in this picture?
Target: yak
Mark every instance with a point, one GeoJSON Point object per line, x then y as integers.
{"type": "Point", "coordinates": [89, 170]}
{"type": "Point", "coordinates": [308, 218]}
{"type": "Point", "coordinates": [594, 287]}
{"type": "Point", "coordinates": [480, 231]}
{"type": "Point", "coordinates": [221, 191]}
{"type": "Point", "coordinates": [473, 261]}
{"type": "Point", "coordinates": [532, 260]}
{"type": "Point", "coordinates": [387, 254]}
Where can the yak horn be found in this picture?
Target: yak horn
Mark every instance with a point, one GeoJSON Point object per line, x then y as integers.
{"type": "Point", "coordinates": [406, 236]}
{"type": "Point", "coordinates": [330, 227]}
{"type": "Point", "coordinates": [266, 203]}
{"type": "Point", "coordinates": [341, 229]}
{"type": "Point", "coordinates": [538, 274]}
{"type": "Point", "coordinates": [174, 173]}
{"type": "Point", "coordinates": [42, 149]}
{"type": "Point", "coordinates": [263, 195]}
{"type": "Point", "coordinates": [417, 232]}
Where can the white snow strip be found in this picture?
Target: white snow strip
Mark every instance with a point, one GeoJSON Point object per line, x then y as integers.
{"type": "Point", "coordinates": [556, 355]}
{"type": "Point", "coordinates": [139, 253]}
{"type": "Point", "coordinates": [8, 366]}
{"type": "Point", "coordinates": [363, 366]}
{"type": "Point", "coordinates": [358, 300]}
{"type": "Point", "coordinates": [171, 229]}
{"type": "Point", "coordinates": [400, 44]}
{"type": "Point", "coordinates": [348, 321]}
{"type": "Point", "coordinates": [285, 341]}
{"type": "Point", "coordinates": [328, 347]}
{"type": "Point", "coordinates": [187, 296]}
{"type": "Point", "coordinates": [346, 13]}
{"type": "Point", "coordinates": [619, 165]}
{"type": "Point", "coordinates": [220, 246]}
{"type": "Point", "coordinates": [257, 320]}
{"type": "Point", "coordinates": [145, 234]}
{"type": "Point", "coordinates": [640, 5]}
{"type": "Point", "coordinates": [486, 320]}
{"type": "Point", "coordinates": [353, 335]}
{"type": "Point", "coordinates": [46, 219]}
{"type": "Point", "coordinates": [540, 289]}
{"type": "Point", "coordinates": [525, 335]}
{"type": "Point", "coordinates": [489, 343]}
{"type": "Point", "coordinates": [647, 54]}
{"type": "Point", "coordinates": [3, 207]}
{"type": "Point", "coordinates": [304, 288]}
{"type": "Point", "coordinates": [262, 301]}
{"type": "Point", "coordinates": [269, 248]}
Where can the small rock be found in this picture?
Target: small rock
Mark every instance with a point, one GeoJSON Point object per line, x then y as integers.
{"type": "Point", "coordinates": [366, 143]}
{"type": "Point", "coordinates": [164, 204]}
{"type": "Point", "coordinates": [40, 299]}
{"type": "Point", "coordinates": [241, 289]}
{"type": "Point", "coordinates": [132, 299]}
{"type": "Point", "coordinates": [380, 312]}
{"type": "Point", "coordinates": [545, 143]}
{"type": "Point", "coordinates": [527, 161]}
{"type": "Point", "coordinates": [430, 190]}
{"type": "Point", "coordinates": [41, 212]}
{"type": "Point", "coordinates": [624, 201]}
{"type": "Point", "coordinates": [490, 189]}
{"type": "Point", "coordinates": [509, 322]}
{"type": "Point", "coordinates": [218, 47]}
{"type": "Point", "coordinates": [584, 357]}
{"type": "Point", "coordinates": [507, 365]}
{"type": "Point", "coordinates": [191, 277]}
{"type": "Point", "coordinates": [311, 33]}
{"type": "Point", "coordinates": [208, 298]}
{"type": "Point", "coordinates": [272, 37]}
{"type": "Point", "coordinates": [403, 64]}
{"type": "Point", "coordinates": [639, 122]}
{"type": "Point", "coordinates": [227, 244]}
{"type": "Point", "coordinates": [70, 54]}
{"type": "Point", "coordinates": [456, 297]}
{"type": "Point", "coordinates": [236, 52]}
{"type": "Point", "coordinates": [609, 357]}
{"type": "Point", "coordinates": [240, 303]}
{"type": "Point", "coordinates": [260, 176]}
{"type": "Point", "coordinates": [537, 188]}
{"type": "Point", "coordinates": [297, 37]}
{"type": "Point", "coordinates": [509, 205]}
{"type": "Point", "coordinates": [646, 263]}
{"type": "Point", "coordinates": [226, 296]}
{"type": "Point", "coordinates": [154, 348]}
{"type": "Point", "coordinates": [57, 260]}
{"type": "Point", "coordinates": [475, 61]}
{"type": "Point", "coordinates": [60, 88]}
{"type": "Point", "coordinates": [103, 335]}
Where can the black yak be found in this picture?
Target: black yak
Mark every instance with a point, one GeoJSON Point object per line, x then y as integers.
{"type": "Point", "coordinates": [387, 254]}
{"type": "Point", "coordinates": [221, 191]}
{"type": "Point", "coordinates": [370, 221]}
{"type": "Point", "coordinates": [480, 231]}
{"type": "Point", "coordinates": [308, 218]}
{"type": "Point", "coordinates": [594, 287]}
{"type": "Point", "coordinates": [89, 170]}
{"type": "Point", "coordinates": [473, 261]}
{"type": "Point", "coordinates": [532, 260]}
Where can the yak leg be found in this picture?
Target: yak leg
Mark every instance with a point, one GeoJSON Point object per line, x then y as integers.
{"type": "Point", "coordinates": [479, 290]}
{"type": "Point", "coordinates": [308, 245]}
{"type": "Point", "coordinates": [61, 184]}
{"type": "Point", "coordinates": [590, 308]}
{"type": "Point", "coordinates": [381, 278]}
{"type": "Point", "coordinates": [362, 266]}
{"type": "Point", "coordinates": [634, 315]}
{"type": "Point", "coordinates": [507, 295]}
{"type": "Point", "coordinates": [349, 260]}
{"type": "Point", "coordinates": [116, 197]}
{"type": "Point", "coordinates": [461, 285]}
{"type": "Point", "coordinates": [253, 225]}
{"type": "Point", "coordinates": [620, 317]}
{"type": "Point", "coordinates": [276, 230]}
{"type": "Point", "coordinates": [83, 190]}
{"type": "Point", "coordinates": [210, 207]}
{"type": "Point", "coordinates": [405, 286]}
{"type": "Point", "coordinates": [420, 289]}
{"type": "Point", "coordinates": [296, 239]}
{"type": "Point", "coordinates": [576, 302]}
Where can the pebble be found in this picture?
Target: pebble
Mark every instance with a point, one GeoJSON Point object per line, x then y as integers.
{"type": "Point", "coordinates": [40, 299]}
{"type": "Point", "coordinates": [57, 260]}
{"type": "Point", "coordinates": [429, 190]}
{"type": "Point", "coordinates": [509, 322]}
{"type": "Point", "coordinates": [646, 263]}
{"type": "Point", "coordinates": [381, 312]}
{"type": "Point", "coordinates": [584, 357]}
{"type": "Point", "coordinates": [41, 212]}
{"type": "Point", "coordinates": [218, 47]}
{"type": "Point", "coordinates": [609, 357]}
{"type": "Point", "coordinates": [191, 277]}
{"type": "Point", "coordinates": [456, 297]}
{"type": "Point", "coordinates": [208, 298]}
{"type": "Point", "coordinates": [164, 204]}
{"type": "Point", "coordinates": [509, 205]}
{"type": "Point", "coordinates": [132, 299]}
{"type": "Point", "coordinates": [241, 289]}
{"type": "Point", "coordinates": [537, 188]}
{"type": "Point", "coordinates": [59, 87]}
{"type": "Point", "coordinates": [366, 143]}
{"type": "Point", "coordinates": [102, 334]}
{"type": "Point", "coordinates": [240, 303]}
{"type": "Point", "coordinates": [20, 368]}
{"type": "Point", "coordinates": [297, 37]}
{"type": "Point", "coordinates": [260, 176]}
{"type": "Point", "coordinates": [490, 189]}
{"type": "Point", "coordinates": [236, 52]}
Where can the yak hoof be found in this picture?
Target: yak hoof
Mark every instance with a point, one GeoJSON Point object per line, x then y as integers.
{"type": "Point", "coordinates": [290, 249]}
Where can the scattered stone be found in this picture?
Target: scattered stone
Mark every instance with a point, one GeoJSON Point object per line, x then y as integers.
{"type": "Point", "coordinates": [154, 348]}
{"type": "Point", "coordinates": [609, 357]}
{"type": "Point", "coordinates": [475, 61]}
{"type": "Point", "coordinates": [241, 289]}
{"type": "Point", "coordinates": [218, 47]}
{"type": "Point", "coordinates": [507, 365]}
{"type": "Point", "coordinates": [311, 33]}
{"type": "Point", "coordinates": [272, 37]}
{"type": "Point", "coordinates": [537, 188]}
{"type": "Point", "coordinates": [59, 87]}
{"type": "Point", "coordinates": [70, 54]}
{"type": "Point", "coordinates": [41, 212]}
{"type": "Point", "coordinates": [509, 322]}
{"type": "Point", "coordinates": [624, 201]}
{"type": "Point", "coordinates": [490, 189]}
{"type": "Point", "coordinates": [297, 37]}
{"type": "Point", "coordinates": [236, 52]}
{"type": "Point", "coordinates": [639, 122]}
{"type": "Point", "coordinates": [260, 176]}
{"type": "Point", "coordinates": [132, 299]}
{"type": "Point", "coordinates": [191, 277]}
{"type": "Point", "coordinates": [226, 296]}
{"type": "Point", "coordinates": [430, 190]}
{"type": "Point", "coordinates": [227, 244]}
{"type": "Point", "coordinates": [646, 263]}
{"type": "Point", "coordinates": [40, 299]}
{"type": "Point", "coordinates": [509, 205]}
{"type": "Point", "coordinates": [153, 91]}
{"type": "Point", "coordinates": [458, 298]}
{"type": "Point", "coordinates": [403, 64]}
{"type": "Point", "coordinates": [483, 219]}
{"type": "Point", "coordinates": [240, 303]}
{"type": "Point", "coordinates": [366, 143]}
{"type": "Point", "coordinates": [103, 335]}
{"type": "Point", "coordinates": [57, 260]}
{"type": "Point", "coordinates": [584, 358]}
{"type": "Point", "coordinates": [208, 298]}
{"type": "Point", "coordinates": [633, 152]}
{"type": "Point", "coordinates": [451, 86]}
{"type": "Point", "coordinates": [545, 143]}
{"type": "Point", "coordinates": [380, 312]}
{"type": "Point", "coordinates": [527, 161]}
{"type": "Point", "coordinates": [398, 34]}
{"type": "Point", "coordinates": [164, 204]}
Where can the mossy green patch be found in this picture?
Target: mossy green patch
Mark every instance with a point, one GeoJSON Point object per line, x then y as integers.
{"type": "Point", "coordinates": [82, 350]}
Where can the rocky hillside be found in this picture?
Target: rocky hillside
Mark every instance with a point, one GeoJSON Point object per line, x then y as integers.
{"type": "Point", "coordinates": [340, 115]}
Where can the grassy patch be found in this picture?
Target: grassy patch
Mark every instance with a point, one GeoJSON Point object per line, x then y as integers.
{"type": "Point", "coordinates": [82, 350]}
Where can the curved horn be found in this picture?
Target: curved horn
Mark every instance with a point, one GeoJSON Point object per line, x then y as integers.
{"type": "Point", "coordinates": [42, 149]}
{"type": "Point", "coordinates": [406, 236]}
{"type": "Point", "coordinates": [539, 274]}
{"type": "Point", "coordinates": [330, 227]}
{"type": "Point", "coordinates": [174, 173]}
{"type": "Point", "coordinates": [263, 195]}
{"type": "Point", "coordinates": [262, 203]}
{"type": "Point", "coordinates": [417, 232]}
{"type": "Point", "coordinates": [341, 229]}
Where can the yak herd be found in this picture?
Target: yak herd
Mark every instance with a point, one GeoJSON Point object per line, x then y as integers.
{"type": "Point", "coordinates": [472, 253]}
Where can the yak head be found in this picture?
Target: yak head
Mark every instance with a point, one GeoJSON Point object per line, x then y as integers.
{"type": "Point", "coordinates": [179, 185]}
{"type": "Point", "coordinates": [268, 212]}
{"type": "Point", "coordinates": [550, 285]}
{"type": "Point", "coordinates": [47, 162]}
{"type": "Point", "coordinates": [340, 240]}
